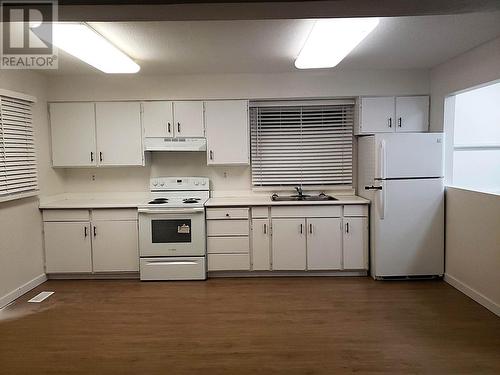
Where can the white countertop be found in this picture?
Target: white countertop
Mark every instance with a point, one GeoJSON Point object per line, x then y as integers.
{"type": "Point", "coordinates": [94, 200]}
{"type": "Point", "coordinates": [266, 201]}
{"type": "Point", "coordinates": [134, 199]}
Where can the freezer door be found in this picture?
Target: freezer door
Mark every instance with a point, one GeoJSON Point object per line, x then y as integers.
{"type": "Point", "coordinates": [408, 228]}
{"type": "Point", "coordinates": [409, 155]}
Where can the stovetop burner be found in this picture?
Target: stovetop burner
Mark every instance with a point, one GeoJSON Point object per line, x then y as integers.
{"type": "Point", "coordinates": [158, 201]}
{"type": "Point", "coordinates": [191, 200]}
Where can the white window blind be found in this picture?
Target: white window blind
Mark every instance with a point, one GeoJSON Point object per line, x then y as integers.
{"type": "Point", "coordinates": [302, 144]}
{"type": "Point", "coordinates": [18, 173]}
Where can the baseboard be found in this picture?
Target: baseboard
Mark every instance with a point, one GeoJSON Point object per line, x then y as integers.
{"type": "Point", "coordinates": [94, 276]}
{"type": "Point", "coordinates": [212, 274]}
{"type": "Point", "coordinates": [16, 293]}
{"type": "Point", "coordinates": [474, 294]}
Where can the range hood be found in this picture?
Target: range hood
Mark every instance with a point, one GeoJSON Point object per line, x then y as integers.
{"type": "Point", "coordinates": [175, 144]}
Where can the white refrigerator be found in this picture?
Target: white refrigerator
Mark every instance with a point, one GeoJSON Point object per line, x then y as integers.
{"type": "Point", "coordinates": [402, 175]}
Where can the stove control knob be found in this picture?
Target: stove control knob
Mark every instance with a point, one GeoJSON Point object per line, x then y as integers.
{"type": "Point", "coordinates": [203, 183]}
{"type": "Point", "coordinates": [155, 183]}
{"type": "Point", "coordinates": [196, 183]}
{"type": "Point", "coordinates": [162, 184]}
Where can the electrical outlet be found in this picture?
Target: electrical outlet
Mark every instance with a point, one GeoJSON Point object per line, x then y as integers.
{"type": "Point", "coordinates": [92, 177]}
{"type": "Point", "coordinates": [225, 174]}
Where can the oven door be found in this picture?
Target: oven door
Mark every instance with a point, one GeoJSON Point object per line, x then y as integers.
{"type": "Point", "coordinates": [172, 232]}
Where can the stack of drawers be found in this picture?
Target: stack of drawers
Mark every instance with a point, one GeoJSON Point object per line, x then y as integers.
{"type": "Point", "coordinates": [228, 243]}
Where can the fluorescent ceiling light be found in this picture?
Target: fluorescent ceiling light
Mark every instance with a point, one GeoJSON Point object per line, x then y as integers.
{"type": "Point", "coordinates": [331, 40]}
{"type": "Point", "coordinates": [83, 42]}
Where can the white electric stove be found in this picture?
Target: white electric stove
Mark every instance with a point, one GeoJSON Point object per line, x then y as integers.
{"type": "Point", "coordinates": [172, 229]}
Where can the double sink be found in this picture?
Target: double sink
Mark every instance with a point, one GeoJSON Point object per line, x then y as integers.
{"type": "Point", "coordinates": [302, 197]}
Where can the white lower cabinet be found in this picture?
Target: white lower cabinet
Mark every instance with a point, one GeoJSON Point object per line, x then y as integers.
{"type": "Point", "coordinates": [67, 247]}
{"type": "Point", "coordinates": [324, 244]}
{"type": "Point", "coordinates": [94, 245]}
{"type": "Point", "coordinates": [261, 245]}
{"type": "Point", "coordinates": [355, 237]}
{"type": "Point", "coordinates": [114, 246]}
{"type": "Point", "coordinates": [288, 238]}
{"type": "Point", "coordinates": [289, 244]}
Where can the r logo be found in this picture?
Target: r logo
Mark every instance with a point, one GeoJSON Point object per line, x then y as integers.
{"type": "Point", "coordinates": [23, 22]}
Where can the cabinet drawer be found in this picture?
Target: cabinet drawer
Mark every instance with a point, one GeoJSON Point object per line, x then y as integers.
{"type": "Point", "coordinates": [220, 245]}
{"type": "Point", "coordinates": [260, 212]}
{"type": "Point", "coordinates": [66, 215]}
{"type": "Point", "coordinates": [307, 211]}
{"type": "Point", "coordinates": [227, 213]}
{"type": "Point", "coordinates": [227, 227]}
{"type": "Point", "coordinates": [228, 262]}
{"type": "Point", "coordinates": [356, 210]}
{"type": "Point", "coordinates": [114, 214]}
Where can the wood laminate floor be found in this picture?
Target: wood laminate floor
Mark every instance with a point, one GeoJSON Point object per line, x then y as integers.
{"type": "Point", "coordinates": [249, 326]}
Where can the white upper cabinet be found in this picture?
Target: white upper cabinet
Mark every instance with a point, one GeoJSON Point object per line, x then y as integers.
{"type": "Point", "coordinates": [376, 114]}
{"type": "Point", "coordinates": [389, 114]}
{"type": "Point", "coordinates": [227, 132]}
{"type": "Point", "coordinates": [158, 119]}
{"type": "Point", "coordinates": [119, 133]}
{"type": "Point", "coordinates": [412, 113]}
{"type": "Point", "coordinates": [188, 119]}
{"type": "Point", "coordinates": [73, 134]}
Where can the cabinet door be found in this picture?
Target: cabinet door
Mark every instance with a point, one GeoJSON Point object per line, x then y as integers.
{"type": "Point", "coordinates": [73, 134]}
{"type": "Point", "coordinates": [227, 132]}
{"type": "Point", "coordinates": [355, 243]}
{"type": "Point", "coordinates": [289, 244]}
{"type": "Point", "coordinates": [377, 115]}
{"type": "Point", "coordinates": [119, 134]}
{"type": "Point", "coordinates": [188, 119]}
{"type": "Point", "coordinates": [67, 247]}
{"type": "Point", "coordinates": [115, 246]}
{"type": "Point", "coordinates": [324, 244]}
{"type": "Point", "coordinates": [158, 119]}
{"type": "Point", "coordinates": [261, 245]}
{"type": "Point", "coordinates": [412, 113]}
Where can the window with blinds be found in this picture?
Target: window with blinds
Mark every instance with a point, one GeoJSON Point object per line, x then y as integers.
{"type": "Point", "coordinates": [18, 173]}
{"type": "Point", "coordinates": [309, 143]}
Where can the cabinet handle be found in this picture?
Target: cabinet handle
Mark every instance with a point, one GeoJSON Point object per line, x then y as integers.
{"type": "Point", "coordinates": [211, 155]}
{"type": "Point", "coordinates": [311, 228]}
{"type": "Point", "coordinates": [100, 156]}
{"type": "Point", "coordinates": [301, 229]}
{"type": "Point", "coordinates": [265, 228]}
{"type": "Point", "coordinates": [85, 232]}
{"type": "Point", "coordinates": [91, 156]}
{"type": "Point", "coordinates": [399, 122]}
{"type": "Point", "coordinates": [168, 128]}
{"type": "Point", "coordinates": [178, 127]}
{"type": "Point", "coordinates": [95, 231]}
{"type": "Point", "coordinates": [390, 122]}
{"type": "Point", "coordinates": [347, 227]}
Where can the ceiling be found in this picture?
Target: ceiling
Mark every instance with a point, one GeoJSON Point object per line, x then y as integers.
{"type": "Point", "coordinates": [269, 46]}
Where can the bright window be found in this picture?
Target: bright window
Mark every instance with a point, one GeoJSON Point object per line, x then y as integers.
{"type": "Point", "coordinates": [475, 130]}
{"type": "Point", "coordinates": [306, 143]}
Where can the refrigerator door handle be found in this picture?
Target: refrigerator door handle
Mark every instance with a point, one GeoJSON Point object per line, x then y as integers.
{"type": "Point", "coordinates": [381, 201]}
{"type": "Point", "coordinates": [382, 160]}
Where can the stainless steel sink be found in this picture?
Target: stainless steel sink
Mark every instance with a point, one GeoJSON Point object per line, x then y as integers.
{"type": "Point", "coordinates": [302, 197]}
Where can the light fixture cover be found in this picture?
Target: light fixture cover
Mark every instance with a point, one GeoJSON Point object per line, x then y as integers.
{"type": "Point", "coordinates": [83, 42]}
{"type": "Point", "coordinates": [331, 40]}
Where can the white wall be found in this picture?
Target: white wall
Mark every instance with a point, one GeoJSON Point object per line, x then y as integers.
{"type": "Point", "coordinates": [473, 68]}
{"type": "Point", "coordinates": [472, 218]}
{"type": "Point", "coordinates": [473, 245]}
{"type": "Point", "coordinates": [246, 86]}
{"type": "Point", "coordinates": [21, 251]}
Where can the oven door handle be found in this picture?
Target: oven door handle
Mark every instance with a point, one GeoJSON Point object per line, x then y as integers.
{"type": "Point", "coordinates": [169, 211]}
